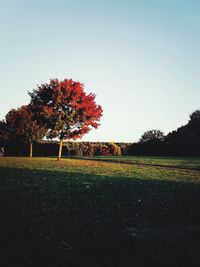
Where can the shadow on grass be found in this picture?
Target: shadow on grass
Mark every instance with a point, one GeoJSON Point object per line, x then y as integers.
{"type": "Point", "coordinates": [54, 218]}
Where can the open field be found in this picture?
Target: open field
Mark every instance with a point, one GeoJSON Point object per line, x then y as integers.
{"type": "Point", "coordinates": [93, 213]}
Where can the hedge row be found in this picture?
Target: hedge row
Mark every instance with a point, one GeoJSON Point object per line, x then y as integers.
{"type": "Point", "coordinates": [69, 149]}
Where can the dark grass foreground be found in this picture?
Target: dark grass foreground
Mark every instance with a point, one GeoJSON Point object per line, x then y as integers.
{"type": "Point", "coordinates": [55, 218]}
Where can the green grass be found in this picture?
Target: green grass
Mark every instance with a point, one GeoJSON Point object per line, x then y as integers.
{"type": "Point", "coordinates": [90, 213]}
{"type": "Point", "coordinates": [181, 162]}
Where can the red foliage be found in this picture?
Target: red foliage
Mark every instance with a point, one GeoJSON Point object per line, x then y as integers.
{"type": "Point", "coordinates": [21, 124]}
{"type": "Point", "coordinates": [66, 108]}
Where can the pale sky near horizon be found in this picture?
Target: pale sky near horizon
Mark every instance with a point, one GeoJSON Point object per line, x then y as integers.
{"type": "Point", "coordinates": [141, 58]}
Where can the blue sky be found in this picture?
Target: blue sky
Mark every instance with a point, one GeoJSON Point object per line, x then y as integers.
{"type": "Point", "coordinates": [141, 58]}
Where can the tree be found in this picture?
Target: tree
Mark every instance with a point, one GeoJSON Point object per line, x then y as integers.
{"type": "Point", "coordinates": [23, 126]}
{"type": "Point", "coordinates": [152, 136]}
{"type": "Point", "coordinates": [195, 118]}
{"type": "Point", "coordinates": [68, 111]}
{"type": "Point", "coordinates": [115, 150]}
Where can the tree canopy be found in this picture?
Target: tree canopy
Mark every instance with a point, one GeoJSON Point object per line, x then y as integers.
{"type": "Point", "coordinates": [152, 135]}
{"type": "Point", "coordinates": [66, 109]}
{"type": "Point", "coordinates": [195, 118]}
{"type": "Point", "coordinates": [22, 125]}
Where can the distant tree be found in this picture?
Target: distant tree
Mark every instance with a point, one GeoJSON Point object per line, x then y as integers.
{"type": "Point", "coordinates": [22, 126]}
{"type": "Point", "coordinates": [195, 118]}
{"type": "Point", "coordinates": [125, 148]}
{"type": "Point", "coordinates": [152, 136]}
{"type": "Point", "coordinates": [68, 111]}
{"type": "Point", "coordinates": [90, 150]}
{"type": "Point", "coordinates": [115, 150]}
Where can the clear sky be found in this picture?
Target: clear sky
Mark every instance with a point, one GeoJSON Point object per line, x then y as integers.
{"type": "Point", "coordinates": [140, 57]}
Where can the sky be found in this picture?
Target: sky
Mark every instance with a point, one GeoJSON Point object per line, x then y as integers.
{"type": "Point", "coordinates": [140, 57]}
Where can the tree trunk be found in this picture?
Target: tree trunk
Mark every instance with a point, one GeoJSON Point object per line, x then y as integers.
{"type": "Point", "coordinates": [31, 150]}
{"type": "Point", "coordinates": [60, 149]}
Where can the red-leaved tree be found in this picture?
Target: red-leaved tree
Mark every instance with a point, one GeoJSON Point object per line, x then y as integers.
{"type": "Point", "coordinates": [22, 125]}
{"type": "Point", "coordinates": [66, 109]}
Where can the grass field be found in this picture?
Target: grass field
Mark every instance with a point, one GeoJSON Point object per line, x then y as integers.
{"type": "Point", "coordinates": [179, 162]}
{"type": "Point", "coordinates": [93, 213]}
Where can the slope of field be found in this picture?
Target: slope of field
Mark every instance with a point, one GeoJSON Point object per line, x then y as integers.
{"type": "Point", "coordinates": [89, 213]}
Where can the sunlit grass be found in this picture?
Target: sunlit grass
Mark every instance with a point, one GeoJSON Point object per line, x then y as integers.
{"type": "Point", "coordinates": [181, 162]}
{"type": "Point", "coordinates": [102, 168]}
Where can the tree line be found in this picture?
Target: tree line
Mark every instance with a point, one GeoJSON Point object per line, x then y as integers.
{"type": "Point", "coordinates": [50, 148]}
{"type": "Point", "coordinates": [62, 110]}
{"type": "Point", "coordinates": [185, 141]}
